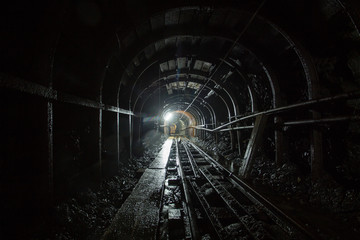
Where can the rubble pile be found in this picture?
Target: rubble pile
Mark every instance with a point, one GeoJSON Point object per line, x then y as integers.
{"type": "Point", "coordinates": [287, 180]}
{"type": "Point", "coordinates": [212, 147]}
{"type": "Point", "coordinates": [290, 180]}
{"type": "Point", "coordinates": [327, 193]}
{"type": "Point", "coordinates": [87, 214]}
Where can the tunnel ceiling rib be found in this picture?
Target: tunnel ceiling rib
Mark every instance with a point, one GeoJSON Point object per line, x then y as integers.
{"type": "Point", "coordinates": [181, 77]}
{"type": "Point", "coordinates": [195, 112]}
{"type": "Point", "coordinates": [187, 96]}
{"type": "Point", "coordinates": [201, 102]}
{"type": "Point", "coordinates": [186, 45]}
{"type": "Point", "coordinates": [235, 65]}
{"type": "Point", "coordinates": [176, 43]}
{"type": "Point", "coordinates": [188, 82]}
{"type": "Point", "coordinates": [232, 67]}
{"type": "Point", "coordinates": [227, 54]}
{"type": "Point", "coordinates": [271, 85]}
{"type": "Point", "coordinates": [181, 98]}
{"type": "Point", "coordinates": [229, 29]}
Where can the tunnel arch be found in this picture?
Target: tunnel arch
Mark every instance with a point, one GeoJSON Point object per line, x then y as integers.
{"type": "Point", "coordinates": [81, 89]}
{"type": "Point", "coordinates": [180, 126]}
{"type": "Point", "coordinates": [290, 43]}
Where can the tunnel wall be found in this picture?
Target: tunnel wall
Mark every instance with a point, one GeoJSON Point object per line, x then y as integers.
{"type": "Point", "coordinates": [53, 149]}
{"type": "Point", "coordinates": [24, 171]}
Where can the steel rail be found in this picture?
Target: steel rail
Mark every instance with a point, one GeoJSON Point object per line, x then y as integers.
{"type": "Point", "coordinates": [193, 164]}
{"type": "Point", "coordinates": [255, 196]}
{"type": "Point", "coordinates": [190, 208]}
{"type": "Point", "coordinates": [232, 204]}
{"type": "Point", "coordinates": [218, 228]}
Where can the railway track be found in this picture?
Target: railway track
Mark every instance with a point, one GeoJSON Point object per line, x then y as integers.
{"type": "Point", "coordinates": [202, 200]}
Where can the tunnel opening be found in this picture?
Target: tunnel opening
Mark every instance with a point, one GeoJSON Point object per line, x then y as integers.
{"type": "Point", "coordinates": [175, 124]}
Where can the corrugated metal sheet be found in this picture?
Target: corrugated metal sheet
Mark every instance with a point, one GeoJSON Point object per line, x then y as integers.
{"type": "Point", "coordinates": [164, 66]}
{"type": "Point", "coordinates": [172, 65]}
{"type": "Point", "coordinates": [194, 85]}
{"type": "Point", "coordinates": [129, 39]}
{"type": "Point", "coordinates": [149, 51]}
{"type": "Point", "coordinates": [206, 67]}
{"type": "Point", "coordinates": [186, 16]}
{"type": "Point", "coordinates": [157, 21]}
{"type": "Point", "coordinates": [170, 41]}
{"type": "Point", "coordinates": [172, 17]}
{"type": "Point", "coordinates": [198, 65]}
{"type": "Point", "coordinates": [143, 29]}
{"type": "Point", "coordinates": [181, 62]}
{"type": "Point", "coordinates": [159, 45]}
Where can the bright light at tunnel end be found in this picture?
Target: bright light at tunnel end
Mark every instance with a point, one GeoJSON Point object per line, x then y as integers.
{"type": "Point", "coordinates": [168, 116]}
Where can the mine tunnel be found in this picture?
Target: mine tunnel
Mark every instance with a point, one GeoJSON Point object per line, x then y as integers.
{"type": "Point", "coordinates": [180, 119]}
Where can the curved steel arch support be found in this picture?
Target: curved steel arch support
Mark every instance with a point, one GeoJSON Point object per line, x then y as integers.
{"type": "Point", "coordinates": [163, 86]}
{"type": "Point", "coordinates": [154, 92]}
{"type": "Point", "coordinates": [219, 95]}
{"type": "Point", "coordinates": [195, 113]}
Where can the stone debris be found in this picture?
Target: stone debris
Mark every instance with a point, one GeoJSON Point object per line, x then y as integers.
{"type": "Point", "coordinates": [87, 214]}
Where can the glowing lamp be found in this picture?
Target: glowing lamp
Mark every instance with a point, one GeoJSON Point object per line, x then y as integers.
{"type": "Point", "coordinates": [168, 116]}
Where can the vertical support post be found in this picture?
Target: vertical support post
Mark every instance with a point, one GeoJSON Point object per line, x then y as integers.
{"type": "Point", "coordinates": [216, 134]}
{"type": "Point", "coordinates": [254, 142]}
{"type": "Point", "coordinates": [280, 157]}
{"type": "Point", "coordinates": [316, 138]}
{"type": "Point", "coordinates": [100, 144]}
{"type": "Point", "coordinates": [130, 136]}
{"type": "Point", "coordinates": [118, 139]}
{"type": "Point", "coordinates": [50, 132]}
{"type": "Point", "coordinates": [232, 141]}
{"type": "Point", "coordinates": [316, 150]}
{"type": "Point", "coordinates": [50, 126]}
{"type": "Point", "coordinates": [238, 135]}
{"type": "Point", "coordinates": [202, 134]}
{"type": "Point", "coordinates": [158, 125]}
{"type": "Point", "coordinates": [140, 127]}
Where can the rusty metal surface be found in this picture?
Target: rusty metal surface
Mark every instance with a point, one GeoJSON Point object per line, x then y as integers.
{"type": "Point", "coordinates": [39, 90]}
{"type": "Point", "coordinates": [254, 142]}
{"type": "Point", "coordinates": [344, 96]}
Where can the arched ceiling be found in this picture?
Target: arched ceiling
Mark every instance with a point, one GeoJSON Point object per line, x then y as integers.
{"type": "Point", "coordinates": [234, 56]}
